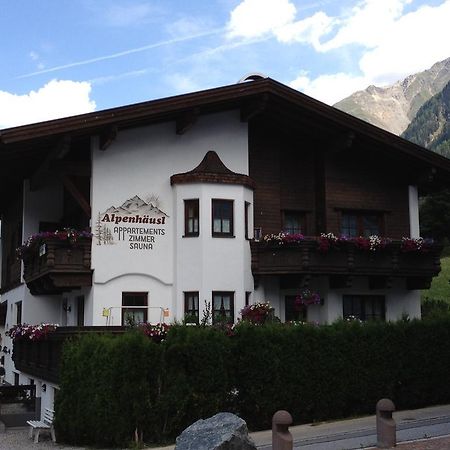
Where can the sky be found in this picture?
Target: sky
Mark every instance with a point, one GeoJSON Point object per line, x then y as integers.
{"type": "Point", "coordinates": [65, 57]}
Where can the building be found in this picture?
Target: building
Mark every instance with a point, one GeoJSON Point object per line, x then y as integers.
{"type": "Point", "coordinates": [179, 194]}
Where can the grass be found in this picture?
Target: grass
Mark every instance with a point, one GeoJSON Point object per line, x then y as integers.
{"type": "Point", "coordinates": [440, 286]}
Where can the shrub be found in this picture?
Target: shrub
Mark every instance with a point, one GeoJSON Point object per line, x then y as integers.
{"type": "Point", "coordinates": [114, 388]}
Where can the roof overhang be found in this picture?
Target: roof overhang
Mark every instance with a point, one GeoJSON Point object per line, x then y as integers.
{"type": "Point", "coordinates": [24, 147]}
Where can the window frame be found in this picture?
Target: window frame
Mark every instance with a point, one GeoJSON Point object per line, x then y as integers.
{"type": "Point", "coordinates": [290, 314]}
{"type": "Point", "coordinates": [195, 203]}
{"type": "Point", "coordinates": [215, 316]}
{"type": "Point", "coordinates": [246, 220]}
{"type": "Point", "coordinates": [192, 312]}
{"type": "Point", "coordinates": [247, 297]}
{"type": "Point", "coordinates": [134, 308]}
{"type": "Point", "coordinates": [215, 203]}
{"type": "Point", "coordinates": [360, 216]}
{"type": "Point", "coordinates": [301, 216]}
{"type": "Point", "coordinates": [363, 306]}
{"type": "Point", "coordinates": [80, 310]}
{"type": "Point", "coordinates": [19, 312]}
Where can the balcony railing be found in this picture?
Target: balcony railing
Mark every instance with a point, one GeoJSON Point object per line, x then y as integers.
{"type": "Point", "coordinates": [304, 258]}
{"type": "Point", "coordinates": [42, 358]}
{"type": "Point", "coordinates": [57, 266]}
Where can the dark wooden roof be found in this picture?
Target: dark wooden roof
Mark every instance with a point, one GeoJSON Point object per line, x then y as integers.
{"type": "Point", "coordinates": [24, 148]}
{"type": "Point", "coordinates": [212, 170]}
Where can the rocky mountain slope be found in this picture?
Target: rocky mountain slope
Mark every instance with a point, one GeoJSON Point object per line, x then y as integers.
{"type": "Point", "coordinates": [393, 107]}
{"type": "Point", "coordinates": [431, 125]}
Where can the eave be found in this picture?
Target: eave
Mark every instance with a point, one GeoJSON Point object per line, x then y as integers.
{"type": "Point", "coordinates": [265, 96]}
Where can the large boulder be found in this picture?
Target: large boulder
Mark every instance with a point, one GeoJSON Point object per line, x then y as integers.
{"type": "Point", "coordinates": [224, 431]}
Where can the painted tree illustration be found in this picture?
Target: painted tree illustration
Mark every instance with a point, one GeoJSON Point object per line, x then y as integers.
{"type": "Point", "coordinates": [99, 229]}
{"type": "Point", "coordinates": [108, 238]}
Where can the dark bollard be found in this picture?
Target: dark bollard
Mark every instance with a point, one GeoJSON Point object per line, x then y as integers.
{"type": "Point", "coordinates": [386, 427]}
{"type": "Point", "coordinates": [281, 436]}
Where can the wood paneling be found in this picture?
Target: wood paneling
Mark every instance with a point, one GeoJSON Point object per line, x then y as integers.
{"type": "Point", "coordinates": [294, 171]}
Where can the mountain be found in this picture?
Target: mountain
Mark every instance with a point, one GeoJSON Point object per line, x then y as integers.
{"type": "Point", "coordinates": [134, 206]}
{"type": "Point", "coordinates": [431, 126]}
{"type": "Point", "coordinates": [393, 107]}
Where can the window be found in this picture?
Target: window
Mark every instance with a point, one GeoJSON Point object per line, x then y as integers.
{"type": "Point", "coordinates": [291, 311]}
{"type": "Point", "coordinates": [247, 298]}
{"type": "Point", "coordinates": [3, 312]}
{"type": "Point", "coordinates": [18, 312]}
{"type": "Point", "coordinates": [65, 308]}
{"type": "Point", "coordinates": [246, 212]}
{"type": "Point", "coordinates": [364, 307]}
{"type": "Point", "coordinates": [222, 218]}
{"type": "Point", "coordinates": [191, 218]}
{"type": "Point", "coordinates": [80, 311]}
{"type": "Point", "coordinates": [134, 307]}
{"type": "Point", "coordinates": [223, 307]}
{"type": "Point", "coordinates": [293, 222]}
{"type": "Point", "coordinates": [191, 314]}
{"type": "Point", "coordinates": [354, 224]}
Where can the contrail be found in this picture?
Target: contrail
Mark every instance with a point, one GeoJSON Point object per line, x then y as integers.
{"type": "Point", "coordinates": [124, 53]}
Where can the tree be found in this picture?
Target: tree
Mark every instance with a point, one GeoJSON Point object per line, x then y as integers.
{"type": "Point", "coordinates": [435, 215]}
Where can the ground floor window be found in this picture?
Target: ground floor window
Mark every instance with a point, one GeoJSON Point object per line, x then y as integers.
{"type": "Point", "coordinates": [134, 307]}
{"type": "Point", "coordinates": [364, 307]}
{"type": "Point", "coordinates": [191, 313]}
{"type": "Point", "coordinates": [223, 306]}
{"type": "Point", "coordinates": [80, 311]}
{"type": "Point", "coordinates": [293, 312]}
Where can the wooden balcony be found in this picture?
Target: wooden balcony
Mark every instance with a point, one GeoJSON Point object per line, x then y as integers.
{"type": "Point", "coordinates": [57, 266]}
{"type": "Point", "coordinates": [342, 264]}
{"type": "Point", "coordinates": [42, 358]}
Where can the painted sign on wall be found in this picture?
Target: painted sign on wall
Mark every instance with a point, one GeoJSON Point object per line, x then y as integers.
{"type": "Point", "coordinates": [138, 224]}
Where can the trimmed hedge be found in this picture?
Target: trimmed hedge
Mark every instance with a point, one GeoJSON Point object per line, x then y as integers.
{"type": "Point", "coordinates": [116, 388]}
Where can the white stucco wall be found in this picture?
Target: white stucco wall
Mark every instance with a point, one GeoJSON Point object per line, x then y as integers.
{"type": "Point", "coordinates": [206, 263]}
{"type": "Point", "coordinates": [399, 302]}
{"type": "Point", "coordinates": [413, 199]}
{"type": "Point", "coordinates": [42, 205]}
{"type": "Point", "coordinates": [140, 162]}
{"type": "Point", "coordinates": [12, 297]}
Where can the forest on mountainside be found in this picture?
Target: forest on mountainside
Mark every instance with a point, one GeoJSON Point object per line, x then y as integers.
{"type": "Point", "coordinates": [431, 125]}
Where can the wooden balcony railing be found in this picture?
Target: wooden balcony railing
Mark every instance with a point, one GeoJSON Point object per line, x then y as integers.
{"type": "Point", "coordinates": [42, 358]}
{"type": "Point", "coordinates": [57, 266]}
{"type": "Point", "coordinates": [304, 258]}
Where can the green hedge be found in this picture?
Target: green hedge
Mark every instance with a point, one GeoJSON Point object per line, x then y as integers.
{"type": "Point", "coordinates": [115, 387]}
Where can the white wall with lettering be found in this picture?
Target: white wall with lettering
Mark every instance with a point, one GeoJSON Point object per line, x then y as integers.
{"type": "Point", "coordinates": [131, 179]}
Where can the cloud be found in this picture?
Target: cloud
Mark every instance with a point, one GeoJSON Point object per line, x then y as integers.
{"type": "Point", "coordinates": [182, 83]}
{"type": "Point", "coordinates": [254, 18]}
{"type": "Point", "coordinates": [420, 39]}
{"type": "Point", "coordinates": [58, 98]}
{"type": "Point", "coordinates": [129, 15]}
{"type": "Point", "coordinates": [329, 88]}
{"type": "Point", "coordinates": [124, 53]}
{"type": "Point", "coordinates": [120, 76]}
{"type": "Point", "coordinates": [367, 23]}
{"type": "Point", "coordinates": [309, 30]}
{"type": "Point", "coordinates": [392, 44]}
